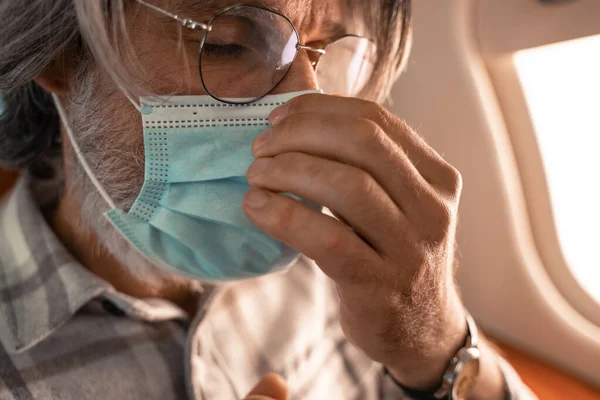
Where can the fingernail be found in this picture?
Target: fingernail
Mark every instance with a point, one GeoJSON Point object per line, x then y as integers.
{"type": "Point", "coordinates": [261, 140]}
{"type": "Point", "coordinates": [256, 199]}
{"type": "Point", "coordinates": [278, 114]}
{"type": "Point", "coordinates": [258, 167]}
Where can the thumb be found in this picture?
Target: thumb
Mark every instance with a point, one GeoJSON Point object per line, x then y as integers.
{"type": "Point", "coordinates": [270, 387]}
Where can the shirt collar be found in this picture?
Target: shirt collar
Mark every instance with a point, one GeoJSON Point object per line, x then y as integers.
{"type": "Point", "coordinates": [41, 285]}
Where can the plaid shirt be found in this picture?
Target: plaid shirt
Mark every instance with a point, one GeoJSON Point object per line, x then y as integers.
{"type": "Point", "coordinates": [67, 334]}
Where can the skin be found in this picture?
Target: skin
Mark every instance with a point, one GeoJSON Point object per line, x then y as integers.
{"type": "Point", "coordinates": [270, 387]}
{"type": "Point", "coordinates": [390, 252]}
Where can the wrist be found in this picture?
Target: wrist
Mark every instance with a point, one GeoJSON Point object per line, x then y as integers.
{"type": "Point", "coordinates": [490, 383]}
{"type": "Point", "coordinates": [424, 370]}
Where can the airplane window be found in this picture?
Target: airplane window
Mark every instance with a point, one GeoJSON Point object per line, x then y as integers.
{"type": "Point", "coordinates": [562, 88]}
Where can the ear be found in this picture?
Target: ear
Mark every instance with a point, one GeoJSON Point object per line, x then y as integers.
{"type": "Point", "coordinates": [54, 78]}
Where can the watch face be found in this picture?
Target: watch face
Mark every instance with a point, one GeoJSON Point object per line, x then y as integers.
{"type": "Point", "coordinates": [467, 377]}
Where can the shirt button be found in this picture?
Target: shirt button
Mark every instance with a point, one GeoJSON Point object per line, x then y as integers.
{"type": "Point", "coordinates": [112, 309]}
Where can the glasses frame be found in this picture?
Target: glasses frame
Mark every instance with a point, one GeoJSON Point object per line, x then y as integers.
{"type": "Point", "coordinates": [207, 28]}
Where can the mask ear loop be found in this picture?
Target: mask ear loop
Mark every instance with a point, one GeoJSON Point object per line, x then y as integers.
{"type": "Point", "coordinates": [79, 153]}
{"type": "Point", "coordinates": [133, 102]}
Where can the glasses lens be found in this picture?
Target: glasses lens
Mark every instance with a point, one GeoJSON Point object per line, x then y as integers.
{"type": "Point", "coordinates": [347, 66]}
{"type": "Point", "coordinates": [247, 53]}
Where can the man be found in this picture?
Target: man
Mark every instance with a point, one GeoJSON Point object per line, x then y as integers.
{"type": "Point", "coordinates": [134, 308]}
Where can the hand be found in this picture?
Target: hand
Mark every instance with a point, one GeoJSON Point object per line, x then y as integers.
{"type": "Point", "coordinates": [270, 387]}
{"type": "Point", "coordinates": [390, 252]}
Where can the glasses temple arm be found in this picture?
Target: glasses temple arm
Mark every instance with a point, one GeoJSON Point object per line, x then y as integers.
{"type": "Point", "coordinates": [308, 48]}
{"type": "Point", "coordinates": [188, 23]}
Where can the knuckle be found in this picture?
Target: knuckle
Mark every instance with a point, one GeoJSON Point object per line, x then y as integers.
{"type": "Point", "coordinates": [284, 216]}
{"type": "Point", "coordinates": [365, 184]}
{"type": "Point", "coordinates": [313, 172]}
{"type": "Point", "coordinates": [337, 243]}
{"type": "Point", "coordinates": [369, 126]}
{"type": "Point", "coordinates": [378, 113]}
{"type": "Point", "coordinates": [454, 179]}
{"type": "Point", "coordinates": [354, 183]}
{"type": "Point", "coordinates": [290, 124]}
{"type": "Point", "coordinates": [371, 135]}
{"type": "Point", "coordinates": [294, 106]}
{"type": "Point", "coordinates": [457, 180]}
{"type": "Point", "coordinates": [299, 165]}
{"type": "Point", "coordinates": [280, 164]}
{"type": "Point", "coordinates": [301, 103]}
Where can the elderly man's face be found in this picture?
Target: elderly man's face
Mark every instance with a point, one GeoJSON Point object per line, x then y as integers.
{"type": "Point", "coordinates": [164, 60]}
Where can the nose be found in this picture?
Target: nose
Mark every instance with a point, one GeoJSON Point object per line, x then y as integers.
{"type": "Point", "coordinates": [301, 76]}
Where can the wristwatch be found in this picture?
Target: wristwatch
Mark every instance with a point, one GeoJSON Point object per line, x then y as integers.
{"type": "Point", "coordinates": [462, 372]}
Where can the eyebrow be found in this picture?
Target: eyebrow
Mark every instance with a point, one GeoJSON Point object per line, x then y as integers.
{"type": "Point", "coordinates": [335, 29]}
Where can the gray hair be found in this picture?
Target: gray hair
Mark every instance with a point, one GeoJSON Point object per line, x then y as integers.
{"type": "Point", "coordinates": [36, 33]}
{"type": "Point", "coordinates": [32, 37]}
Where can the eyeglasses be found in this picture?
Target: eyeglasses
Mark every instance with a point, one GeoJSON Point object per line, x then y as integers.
{"type": "Point", "coordinates": [247, 51]}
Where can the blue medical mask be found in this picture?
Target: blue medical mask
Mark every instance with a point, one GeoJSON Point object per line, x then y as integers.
{"type": "Point", "coordinates": [188, 216]}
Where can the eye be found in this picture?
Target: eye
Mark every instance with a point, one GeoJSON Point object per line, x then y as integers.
{"type": "Point", "coordinates": [224, 50]}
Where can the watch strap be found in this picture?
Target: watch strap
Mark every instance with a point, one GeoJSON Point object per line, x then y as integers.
{"type": "Point", "coordinates": [473, 334]}
{"type": "Point", "coordinates": [413, 394]}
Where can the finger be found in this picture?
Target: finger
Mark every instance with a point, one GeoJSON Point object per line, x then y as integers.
{"type": "Point", "coordinates": [258, 397]}
{"type": "Point", "coordinates": [271, 386]}
{"type": "Point", "coordinates": [348, 191]}
{"type": "Point", "coordinates": [355, 141]}
{"type": "Point", "coordinates": [428, 162]}
{"type": "Point", "coordinates": [338, 251]}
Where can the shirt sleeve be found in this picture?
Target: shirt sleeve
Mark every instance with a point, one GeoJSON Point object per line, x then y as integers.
{"type": "Point", "coordinates": [514, 387]}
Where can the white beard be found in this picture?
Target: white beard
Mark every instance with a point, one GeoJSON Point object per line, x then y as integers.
{"type": "Point", "coordinates": [115, 154]}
